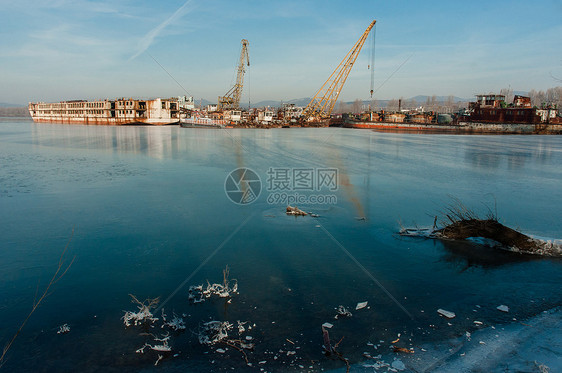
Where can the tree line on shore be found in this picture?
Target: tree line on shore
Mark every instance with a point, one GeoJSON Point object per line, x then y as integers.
{"type": "Point", "coordinates": [14, 112]}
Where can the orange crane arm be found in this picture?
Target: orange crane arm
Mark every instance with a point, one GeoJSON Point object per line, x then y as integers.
{"type": "Point", "coordinates": [322, 104]}
{"type": "Point", "coordinates": [231, 100]}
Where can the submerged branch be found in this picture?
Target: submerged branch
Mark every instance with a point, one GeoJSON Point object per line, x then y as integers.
{"type": "Point", "coordinates": [459, 223]}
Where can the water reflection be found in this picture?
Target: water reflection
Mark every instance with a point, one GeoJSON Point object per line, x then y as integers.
{"type": "Point", "coordinates": [154, 142]}
{"type": "Point", "coordinates": [465, 255]}
{"type": "Point", "coordinates": [480, 158]}
{"type": "Point", "coordinates": [490, 153]}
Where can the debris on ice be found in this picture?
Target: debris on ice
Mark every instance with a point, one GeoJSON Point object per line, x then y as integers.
{"type": "Point", "coordinates": [503, 308]}
{"type": "Point", "coordinates": [198, 294]}
{"type": "Point", "coordinates": [447, 314]}
{"type": "Point", "coordinates": [361, 305]}
{"type": "Point", "coordinates": [63, 329]}
{"type": "Point", "coordinates": [342, 312]}
{"type": "Point", "coordinates": [144, 313]}
{"type": "Point", "coordinates": [176, 323]}
{"type": "Point", "coordinates": [295, 211]}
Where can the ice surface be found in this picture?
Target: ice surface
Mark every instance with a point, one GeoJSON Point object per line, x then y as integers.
{"type": "Point", "coordinates": [514, 348]}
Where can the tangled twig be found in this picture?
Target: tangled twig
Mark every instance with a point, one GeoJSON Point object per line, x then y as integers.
{"type": "Point", "coordinates": [59, 273]}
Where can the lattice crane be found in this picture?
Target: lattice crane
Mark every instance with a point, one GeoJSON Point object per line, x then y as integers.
{"type": "Point", "coordinates": [231, 100]}
{"type": "Point", "coordinates": [321, 106]}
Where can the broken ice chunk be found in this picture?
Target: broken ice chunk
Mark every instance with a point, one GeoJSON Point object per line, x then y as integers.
{"type": "Point", "coordinates": [447, 314]}
{"type": "Point", "coordinates": [361, 305]}
{"type": "Point", "coordinates": [398, 365]}
{"type": "Point", "coordinates": [503, 308]}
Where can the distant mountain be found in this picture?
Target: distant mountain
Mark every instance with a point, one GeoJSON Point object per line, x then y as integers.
{"type": "Point", "coordinates": [420, 99]}
{"type": "Point", "coordinates": [273, 103]}
{"type": "Point", "coordinates": [423, 99]}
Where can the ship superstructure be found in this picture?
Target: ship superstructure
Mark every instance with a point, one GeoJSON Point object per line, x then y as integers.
{"type": "Point", "coordinates": [121, 111]}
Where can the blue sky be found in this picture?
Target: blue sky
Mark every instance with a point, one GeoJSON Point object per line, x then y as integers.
{"type": "Point", "coordinates": [79, 49]}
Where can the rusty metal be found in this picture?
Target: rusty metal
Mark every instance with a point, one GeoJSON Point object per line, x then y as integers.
{"type": "Point", "coordinates": [521, 101]}
{"type": "Point", "coordinates": [493, 109]}
{"type": "Point", "coordinates": [505, 115]}
{"type": "Point", "coordinates": [107, 112]}
{"type": "Point", "coordinates": [231, 100]}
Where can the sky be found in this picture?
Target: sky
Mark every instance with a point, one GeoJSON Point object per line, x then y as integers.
{"type": "Point", "coordinates": [54, 50]}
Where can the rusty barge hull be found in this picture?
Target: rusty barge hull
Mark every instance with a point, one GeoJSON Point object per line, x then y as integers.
{"type": "Point", "coordinates": [102, 121]}
{"type": "Point", "coordinates": [463, 127]}
{"type": "Point", "coordinates": [400, 126]}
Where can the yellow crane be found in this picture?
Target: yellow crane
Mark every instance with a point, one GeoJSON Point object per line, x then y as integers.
{"type": "Point", "coordinates": [231, 100]}
{"type": "Point", "coordinates": [321, 106]}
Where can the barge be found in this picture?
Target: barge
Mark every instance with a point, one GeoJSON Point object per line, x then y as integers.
{"type": "Point", "coordinates": [488, 114]}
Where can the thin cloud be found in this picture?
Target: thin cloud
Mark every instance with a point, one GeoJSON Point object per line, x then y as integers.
{"type": "Point", "coordinates": [147, 40]}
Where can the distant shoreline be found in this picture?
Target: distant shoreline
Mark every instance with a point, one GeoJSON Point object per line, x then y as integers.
{"type": "Point", "coordinates": [21, 112]}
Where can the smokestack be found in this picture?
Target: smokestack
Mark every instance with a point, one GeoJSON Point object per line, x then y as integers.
{"type": "Point", "coordinates": [399, 104]}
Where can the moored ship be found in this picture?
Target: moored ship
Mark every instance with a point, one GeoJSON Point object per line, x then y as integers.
{"type": "Point", "coordinates": [488, 114]}
{"type": "Point", "coordinates": [108, 112]}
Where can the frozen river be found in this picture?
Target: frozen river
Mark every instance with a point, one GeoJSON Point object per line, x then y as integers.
{"type": "Point", "coordinates": [155, 210]}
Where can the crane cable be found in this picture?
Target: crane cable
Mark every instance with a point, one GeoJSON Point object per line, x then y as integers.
{"type": "Point", "coordinates": [372, 65]}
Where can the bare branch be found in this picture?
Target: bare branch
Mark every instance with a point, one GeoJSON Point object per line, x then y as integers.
{"type": "Point", "coordinates": [45, 293]}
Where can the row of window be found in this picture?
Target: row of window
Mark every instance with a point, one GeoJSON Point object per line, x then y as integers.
{"type": "Point", "coordinates": [89, 105]}
{"type": "Point", "coordinates": [126, 103]}
{"type": "Point", "coordinates": [509, 112]}
{"type": "Point", "coordinates": [95, 104]}
{"type": "Point", "coordinates": [61, 112]}
{"type": "Point", "coordinates": [51, 106]}
{"type": "Point", "coordinates": [122, 112]}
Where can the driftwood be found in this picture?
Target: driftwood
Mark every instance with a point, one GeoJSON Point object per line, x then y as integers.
{"type": "Point", "coordinates": [459, 223]}
{"type": "Point", "coordinates": [295, 211]}
{"type": "Point", "coordinates": [491, 229]}
{"type": "Point", "coordinates": [332, 350]}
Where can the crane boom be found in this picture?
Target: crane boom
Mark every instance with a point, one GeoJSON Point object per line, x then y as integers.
{"type": "Point", "coordinates": [231, 100]}
{"type": "Point", "coordinates": [321, 106]}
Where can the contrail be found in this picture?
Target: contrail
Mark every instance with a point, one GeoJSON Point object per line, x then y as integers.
{"type": "Point", "coordinates": [152, 34]}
